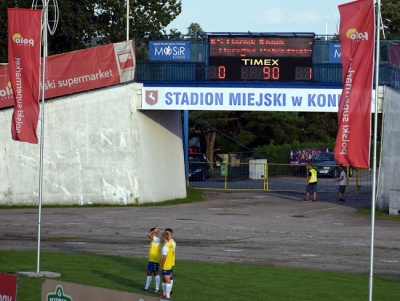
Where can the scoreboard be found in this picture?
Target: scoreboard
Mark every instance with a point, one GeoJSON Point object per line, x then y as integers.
{"type": "Point", "coordinates": [260, 58]}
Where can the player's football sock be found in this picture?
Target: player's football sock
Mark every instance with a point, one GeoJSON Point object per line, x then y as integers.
{"type": "Point", "coordinates": [148, 281]}
{"type": "Point", "coordinates": [172, 284]}
{"type": "Point", "coordinates": [157, 282]}
{"type": "Point", "coordinates": [168, 289]}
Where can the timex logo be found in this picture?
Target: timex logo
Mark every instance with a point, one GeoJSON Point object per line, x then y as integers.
{"type": "Point", "coordinates": [260, 62]}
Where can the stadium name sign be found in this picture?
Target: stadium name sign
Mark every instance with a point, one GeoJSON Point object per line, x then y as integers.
{"type": "Point", "coordinates": [241, 99]}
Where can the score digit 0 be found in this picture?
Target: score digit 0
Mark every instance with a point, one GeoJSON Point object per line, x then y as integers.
{"type": "Point", "coordinates": [218, 72]}
{"type": "Point", "coordinates": [260, 73]}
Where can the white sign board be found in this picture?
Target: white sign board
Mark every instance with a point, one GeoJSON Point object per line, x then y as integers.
{"type": "Point", "coordinates": [241, 99]}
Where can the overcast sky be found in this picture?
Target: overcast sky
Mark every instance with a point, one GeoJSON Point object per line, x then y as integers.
{"type": "Point", "coordinates": [260, 16]}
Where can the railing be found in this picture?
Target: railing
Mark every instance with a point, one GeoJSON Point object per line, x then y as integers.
{"type": "Point", "coordinates": [196, 69]}
{"type": "Point", "coordinates": [276, 178]}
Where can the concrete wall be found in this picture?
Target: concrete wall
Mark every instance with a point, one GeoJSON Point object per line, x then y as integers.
{"type": "Point", "coordinates": [98, 148]}
{"type": "Point", "coordinates": [390, 156]}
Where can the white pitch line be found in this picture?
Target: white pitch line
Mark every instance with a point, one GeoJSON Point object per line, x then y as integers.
{"type": "Point", "coordinates": [389, 261]}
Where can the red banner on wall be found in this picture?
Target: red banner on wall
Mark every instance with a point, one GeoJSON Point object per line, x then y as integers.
{"type": "Point", "coordinates": [80, 70]}
{"type": "Point", "coordinates": [88, 69]}
{"type": "Point", "coordinates": [24, 38]}
{"type": "Point", "coordinates": [8, 287]}
{"type": "Point", "coordinates": [357, 38]}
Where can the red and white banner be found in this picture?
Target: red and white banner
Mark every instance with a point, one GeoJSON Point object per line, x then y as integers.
{"type": "Point", "coordinates": [357, 37]}
{"type": "Point", "coordinates": [24, 38]}
{"type": "Point", "coordinates": [88, 69]}
{"type": "Point", "coordinates": [8, 287]}
{"type": "Point", "coordinates": [81, 70]}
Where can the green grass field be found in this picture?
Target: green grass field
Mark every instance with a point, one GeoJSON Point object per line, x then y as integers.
{"type": "Point", "coordinates": [196, 281]}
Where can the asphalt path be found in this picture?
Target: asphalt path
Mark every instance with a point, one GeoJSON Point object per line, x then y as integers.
{"type": "Point", "coordinates": [257, 228]}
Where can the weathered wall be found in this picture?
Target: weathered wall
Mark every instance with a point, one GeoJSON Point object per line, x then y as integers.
{"type": "Point", "coordinates": [390, 159]}
{"type": "Point", "coordinates": [97, 149]}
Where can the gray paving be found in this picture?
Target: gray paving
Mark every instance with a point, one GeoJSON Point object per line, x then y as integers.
{"type": "Point", "coordinates": [267, 229]}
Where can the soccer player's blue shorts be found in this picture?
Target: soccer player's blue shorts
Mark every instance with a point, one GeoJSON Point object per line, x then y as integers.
{"type": "Point", "coordinates": [152, 266]}
{"type": "Point", "coordinates": [166, 272]}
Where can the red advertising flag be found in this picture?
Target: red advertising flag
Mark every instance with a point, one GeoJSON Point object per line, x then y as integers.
{"type": "Point", "coordinates": [24, 38]}
{"type": "Point", "coordinates": [357, 29]}
{"type": "Point", "coordinates": [8, 287]}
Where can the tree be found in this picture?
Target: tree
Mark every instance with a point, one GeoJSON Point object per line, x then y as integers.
{"type": "Point", "coordinates": [319, 126]}
{"type": "Point", "coordinates": [82, 21]}
{"type": "Point", "coordinates": [4, 4]}
{"type": "Point", "coordinates": [241, 131]}
{"type": "Point", "coordinates": [194, 28]}
{"type": "Point", "coordinates": [282, 127]}
{"type": "Point", "coordinates": [390, 10]}
{"type": "Point", "coordinates": [193, 32]}
{"type": "Point", "coordinates": [204, 123]}
{"type": "Point", "coordinates": [149, 17]}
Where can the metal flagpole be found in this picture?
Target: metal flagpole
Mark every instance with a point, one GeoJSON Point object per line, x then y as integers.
{"type": "Point", "coordinates": [373, 203]}
{"type": "Point", "coordinates": [127, 20]}
{"type": "Point", "coordinates": [45, 29]}
{"type": "Point", "coordinates": [44, 26]}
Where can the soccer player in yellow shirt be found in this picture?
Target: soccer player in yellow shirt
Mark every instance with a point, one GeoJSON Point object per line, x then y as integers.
{"type": "Point", "coordinates": [154, 259]}
{"type": "Point", "coordinates": [172, 241]}
{"type": "Point", "coordinates": [166, 265]}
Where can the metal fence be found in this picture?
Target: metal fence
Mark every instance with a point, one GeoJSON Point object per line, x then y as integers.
{"type": "Point", "coordinates": [276, 178]}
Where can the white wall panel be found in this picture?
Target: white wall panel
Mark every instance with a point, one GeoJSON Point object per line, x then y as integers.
{"type": "Point", "coordinates": [98, 148]}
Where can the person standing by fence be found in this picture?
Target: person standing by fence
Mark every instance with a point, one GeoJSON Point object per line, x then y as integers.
{"type": "Point", "coordinates": [311, 183]}
{"type": "Point", "coordinates": [342, 185]}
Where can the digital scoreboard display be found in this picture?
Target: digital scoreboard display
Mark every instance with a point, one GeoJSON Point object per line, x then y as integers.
{"type": "Point", "coordinates": [261, 58]}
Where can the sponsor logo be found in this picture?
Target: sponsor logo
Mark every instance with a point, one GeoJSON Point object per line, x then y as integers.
{"type": "Point", "coordinates": [125, 60]}
{"type": "Point", "coordinates": [354, 35]}
{"type": "Point", "coordinates": [21, 41]}
{"type": "Point", "coordinates": [58, 295]}
{"type": "Point", "coordinates": [169, 50]}
{"type": "Point", "coordinates": [7, 92]}
{"type": "Point", "coordinates": [176, 52]}
{"type": "Point", "coordinates": [151, 97]}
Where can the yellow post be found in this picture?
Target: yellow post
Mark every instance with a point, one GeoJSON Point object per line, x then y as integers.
{"type": "Point", "coordinates": [266, 176]}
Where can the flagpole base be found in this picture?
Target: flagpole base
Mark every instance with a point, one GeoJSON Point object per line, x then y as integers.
{"type": "Point", "coordinates": [42, 274]}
